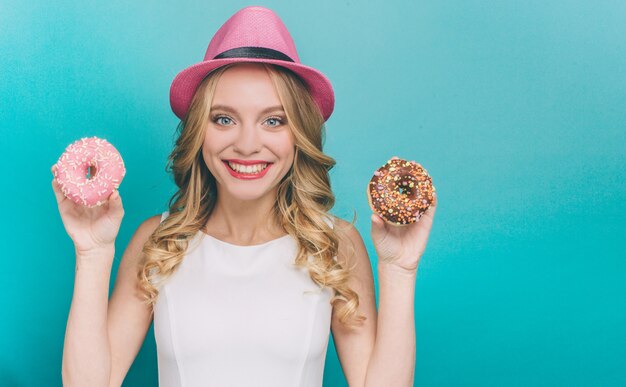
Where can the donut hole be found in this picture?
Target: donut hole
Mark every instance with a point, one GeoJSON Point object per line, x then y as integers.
{"type": "Point", "coordinates": [91, 172]}
{"type": "Point", "coordinates": [407, 188]}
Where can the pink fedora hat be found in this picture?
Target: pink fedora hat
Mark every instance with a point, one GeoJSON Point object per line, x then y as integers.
{"type": "Point", "coordinates": [252, 34]}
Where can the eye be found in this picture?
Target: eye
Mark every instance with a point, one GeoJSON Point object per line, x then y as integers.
{"type": "Point", "coordinates": [217, 119]}
{"type": "Point", "coordinates": [276, 120]}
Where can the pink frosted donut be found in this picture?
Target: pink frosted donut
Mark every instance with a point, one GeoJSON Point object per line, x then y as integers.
{"type": "Point", "coordinates": [73, 167]}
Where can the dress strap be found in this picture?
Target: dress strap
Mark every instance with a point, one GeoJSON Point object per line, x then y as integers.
{"type": "Point", "coordinates": [164, 215]}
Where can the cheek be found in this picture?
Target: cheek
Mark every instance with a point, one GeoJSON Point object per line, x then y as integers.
{"type": "Point", "coordinates": [283, 145]}
{"type": "Point", "coordinates": [210, 152]}
{"type": "Point", "coordinates": [214, 143]}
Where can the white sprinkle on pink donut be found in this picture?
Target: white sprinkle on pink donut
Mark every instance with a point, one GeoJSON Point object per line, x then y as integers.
{"type": "Point", "coordinates": [73, 166]}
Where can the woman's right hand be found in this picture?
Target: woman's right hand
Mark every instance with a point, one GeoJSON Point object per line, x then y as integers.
{"type": "Point", "coordinates": [90, 229]}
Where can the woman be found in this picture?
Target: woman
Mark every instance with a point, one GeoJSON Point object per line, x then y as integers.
{"type": "Point", "coordinates": [246, 273]}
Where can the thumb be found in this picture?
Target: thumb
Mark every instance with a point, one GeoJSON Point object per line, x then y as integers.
{"type": "Point", "coordinates": [115, 195]}
{"type": "Point", "coordinates": [378, 227]}
{"type": "Point", "coordinates": [115, 201]}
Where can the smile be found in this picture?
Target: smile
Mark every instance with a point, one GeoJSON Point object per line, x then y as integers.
{"type": "Point", "coordinates": [247, 172]}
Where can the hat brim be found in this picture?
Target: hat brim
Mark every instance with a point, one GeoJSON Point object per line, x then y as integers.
{"type": "Point", "coordinates": [187, 81]}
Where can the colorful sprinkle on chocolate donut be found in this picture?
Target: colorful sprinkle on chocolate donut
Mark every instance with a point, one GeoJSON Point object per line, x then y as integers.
{"type": "Point", "coordinates": [400, 191]}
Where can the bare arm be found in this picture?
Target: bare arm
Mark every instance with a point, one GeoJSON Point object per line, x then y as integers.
{"type": "Point", "coordinates": [399, 249]}
{"type": "Point", "coordinates": [393, 358]}
{"type": "Point", "coordinates": [86, 352]}
{"type": "Point", "coordinates": [104, 336]}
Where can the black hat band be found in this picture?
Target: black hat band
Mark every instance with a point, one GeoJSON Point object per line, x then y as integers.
{"type": "Point", "coordinates": [253, 52]}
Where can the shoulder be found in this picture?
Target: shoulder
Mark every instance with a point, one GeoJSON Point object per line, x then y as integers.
{"type": "Point", "coordinates": [146, 228]}
{"type": "Point", "coordinates": [150, 224]}
{"type": "Point", "coordinates": [351, 245]}
{"type": "Point", "coordinates": [132, 255]}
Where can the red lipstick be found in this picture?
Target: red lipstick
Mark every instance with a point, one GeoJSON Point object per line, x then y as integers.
{"type": "Point", "coordinates": [247, 176]}
{"type": "Point", "coordinates": [248, 162]}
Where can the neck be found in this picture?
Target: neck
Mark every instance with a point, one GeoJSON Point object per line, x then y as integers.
{"type": "Point", "coordinates": [244, 221]}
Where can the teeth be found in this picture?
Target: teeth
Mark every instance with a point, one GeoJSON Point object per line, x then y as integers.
{"type": "Point", "coordinates": [252, 169]}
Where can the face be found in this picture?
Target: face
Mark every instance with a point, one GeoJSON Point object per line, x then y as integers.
{"type": "Point", "coordinates": [248, 146]}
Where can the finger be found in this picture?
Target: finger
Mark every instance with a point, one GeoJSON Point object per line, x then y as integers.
{"type": "Point", "coordinates": [115, 205]}
{"type": "Point", "coordinates": [378, 230]}
{"type": "Point", "coordinates": [377, 221]}
{"type": "Point", "coordinates": [426, 220]}
{"type": "Point", "coordinates": [58, 194]}
{"type": "Point", "coordinates": [114, 198]}
{"type": "Point", "coordinates": [430, 211]}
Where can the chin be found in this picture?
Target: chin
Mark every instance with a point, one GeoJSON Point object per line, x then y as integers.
{"type": "Point", "coordinates": [248, 194]}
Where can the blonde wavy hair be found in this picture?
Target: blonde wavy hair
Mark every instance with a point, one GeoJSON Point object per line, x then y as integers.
{"type": "Point", "coordinates": [303, 200]}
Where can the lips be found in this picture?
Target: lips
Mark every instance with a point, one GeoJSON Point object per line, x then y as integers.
{"type": "Point", "coordinates": [248, 162]}
{"type": "Point", "coordinates": [247, 176]}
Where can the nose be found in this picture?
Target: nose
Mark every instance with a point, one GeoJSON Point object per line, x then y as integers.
{"type": "Point", "coordinates": [248, 139]}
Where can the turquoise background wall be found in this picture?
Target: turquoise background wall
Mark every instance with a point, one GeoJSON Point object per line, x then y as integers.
{"type": "Point", "coordinates": [517, 109]}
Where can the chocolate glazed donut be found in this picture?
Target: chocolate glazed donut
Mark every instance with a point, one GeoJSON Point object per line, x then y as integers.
{"type": "Point", "coordinates": [400, 191]}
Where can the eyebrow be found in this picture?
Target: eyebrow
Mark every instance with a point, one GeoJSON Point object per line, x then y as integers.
{"type": "Point", "coordinates": [233, 110]}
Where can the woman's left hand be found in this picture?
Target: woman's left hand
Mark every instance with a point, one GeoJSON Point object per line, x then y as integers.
{"type": "Point", "coordinates": [402, 245]}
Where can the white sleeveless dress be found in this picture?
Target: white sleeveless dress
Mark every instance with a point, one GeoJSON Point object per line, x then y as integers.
{"type": "Point", "coordinates": [241, 316]}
